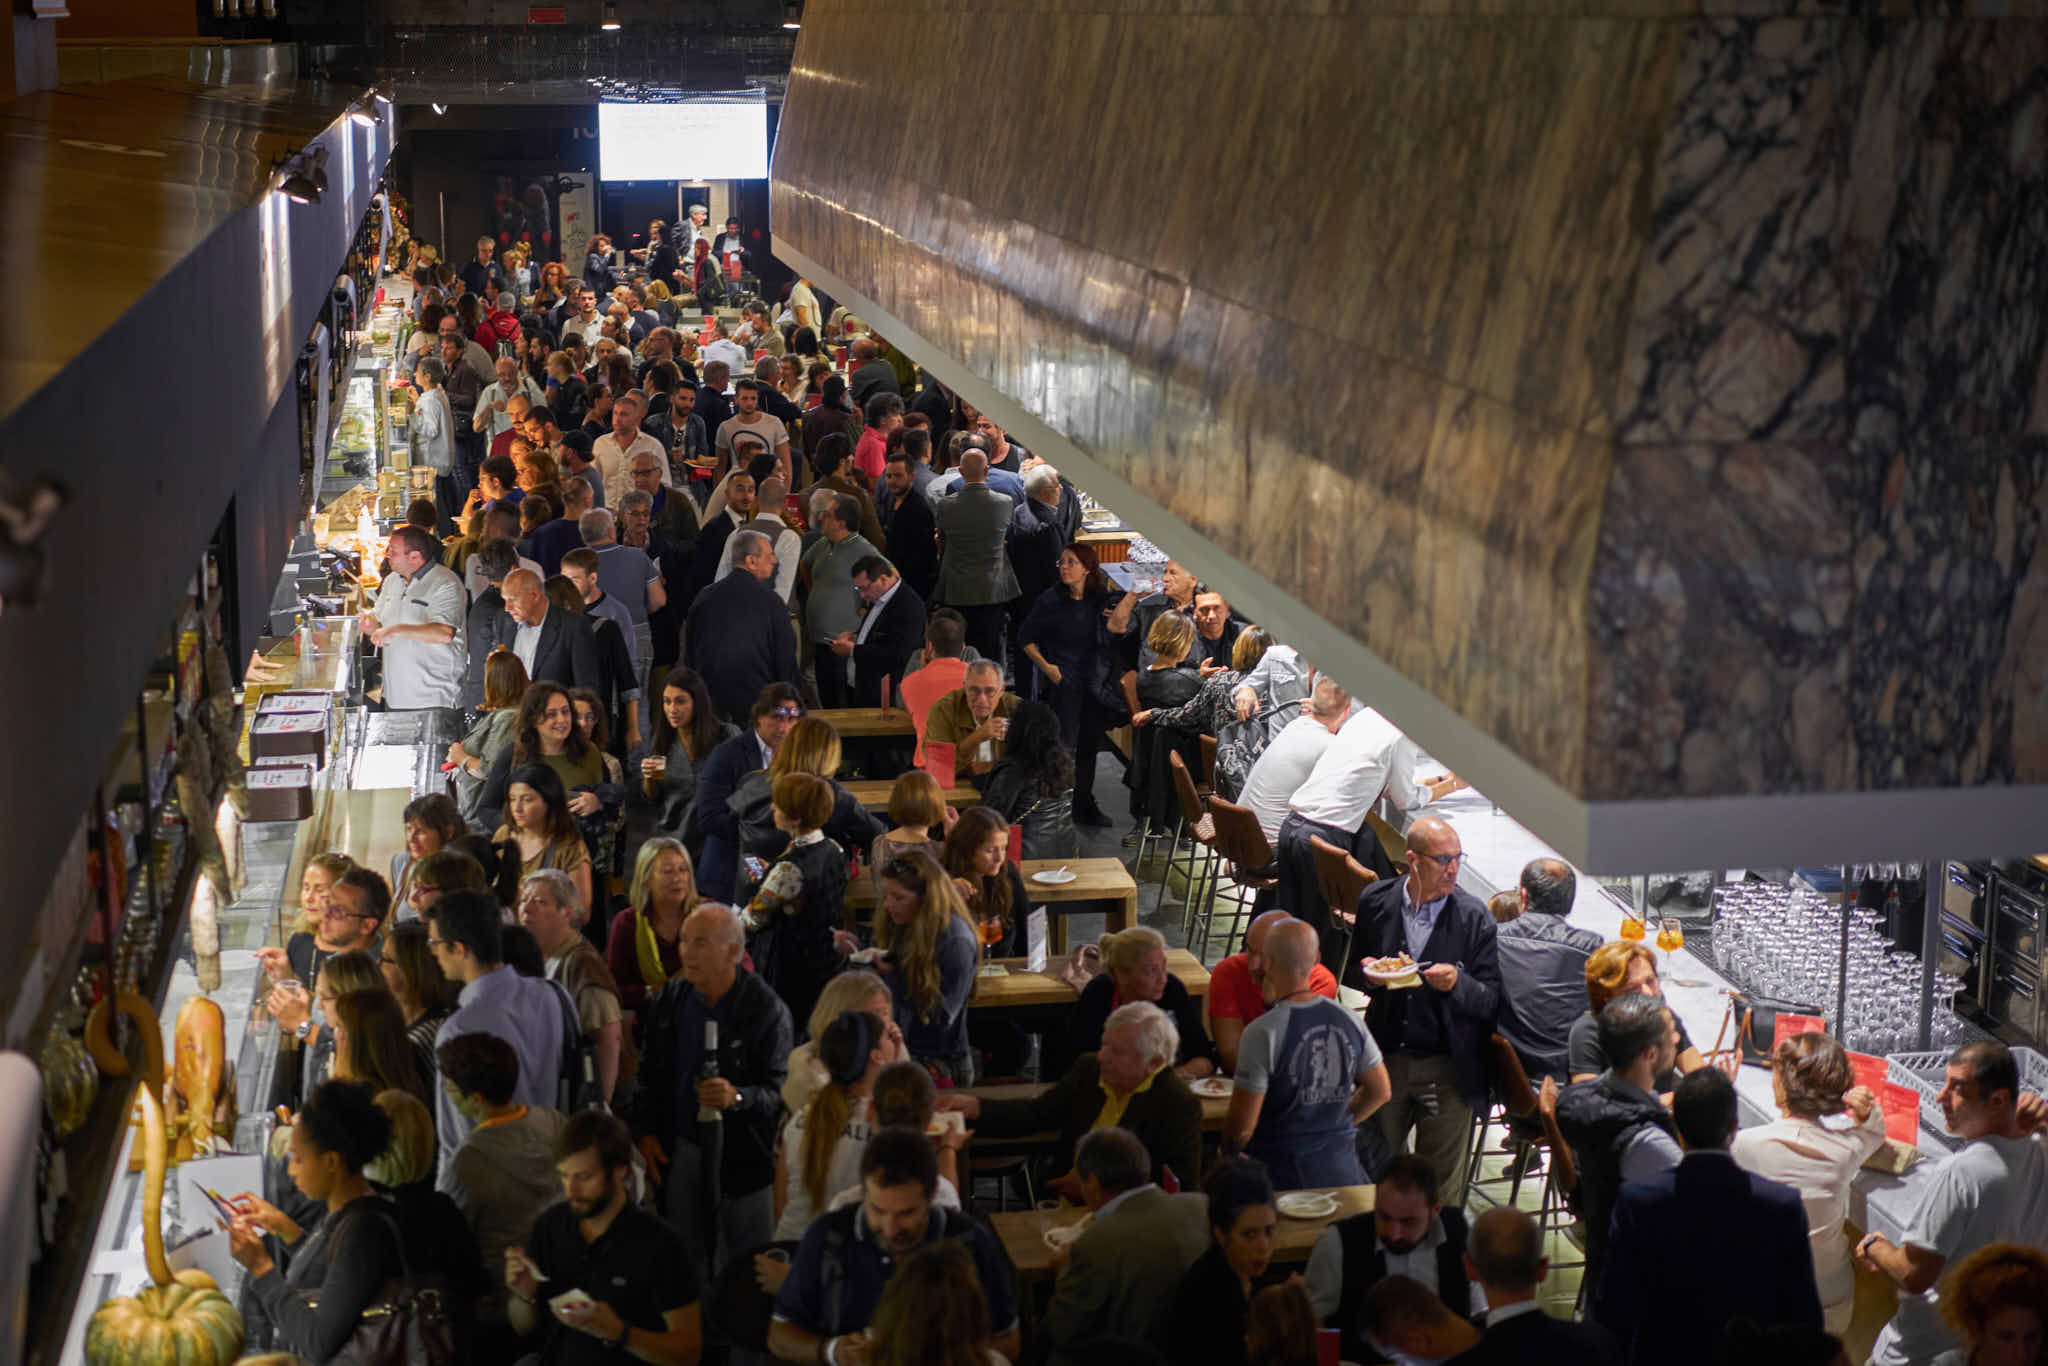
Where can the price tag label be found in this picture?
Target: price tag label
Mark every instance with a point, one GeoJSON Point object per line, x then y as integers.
{"type": "Point", "coordinates": [1901, 1111]}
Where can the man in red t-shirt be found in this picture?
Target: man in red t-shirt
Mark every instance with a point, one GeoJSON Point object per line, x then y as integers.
{"type": "Point", "coordinates": [945, 642]}
{"type": "Point", "coordinates": [1234, 985]}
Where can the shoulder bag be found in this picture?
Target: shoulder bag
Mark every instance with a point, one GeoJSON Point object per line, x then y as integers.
{"type": "Point", "coordinates": [405, 1324]}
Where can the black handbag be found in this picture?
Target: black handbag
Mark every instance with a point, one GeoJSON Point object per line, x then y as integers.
{"type": "Point", "coordinates": [405, 1324]}
{"type": "Point", "coordinates": [1755, 1020]}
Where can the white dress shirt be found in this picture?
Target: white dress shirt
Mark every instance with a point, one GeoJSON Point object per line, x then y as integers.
{"type": "Point", "coordinates": [1370, 756]}
{"type": "Point", "coordinates": [867, 623]}
{"type": "Point", "coordinates": [526, 640]}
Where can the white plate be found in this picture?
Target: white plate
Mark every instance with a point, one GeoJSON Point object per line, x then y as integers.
{"type": "Point", "coordinates": [1215, 1088]}
{"type": "Point", "coordinates": [571, 1302]}
{"type": "Point", "coordinates": [1306, 1205]}
{"type": "Point", "coordinates": [1053, 877]}
{"type": "Point", "coordinates": [1408, 976]}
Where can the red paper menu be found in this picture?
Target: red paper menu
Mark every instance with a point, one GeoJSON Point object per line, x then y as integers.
{"type": "Point", "coordinates": [1788, 1025]}
{"type": "Point", "coordinates": [1901, 1111]}
{"type": "Point", "coordinates": [938, 761]}
{"type": "Point", "coordinates": [1870, 1072]}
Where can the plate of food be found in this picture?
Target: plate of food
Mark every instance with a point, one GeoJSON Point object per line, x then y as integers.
{"type": "Point", "coordinates": [1307, 1204]}
{"type": "Point", "coordinates": [1397, 971]}
{"type": "Point", "coordinates": [1055, 877]}
{"type": "Point", "coordinates": [1214, 1088]}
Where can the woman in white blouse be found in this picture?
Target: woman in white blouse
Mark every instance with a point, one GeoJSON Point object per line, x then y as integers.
{"type": "Point", "coordinates": [1815, 1148]}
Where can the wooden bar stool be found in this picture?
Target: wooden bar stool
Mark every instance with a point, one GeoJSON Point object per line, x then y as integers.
{"type": "Point", "coordinates": [1342, 879]}
{"type": "Point", "coordinates": [1250, 859]}
{"type": "Point", "coordinates": [1200, 828]}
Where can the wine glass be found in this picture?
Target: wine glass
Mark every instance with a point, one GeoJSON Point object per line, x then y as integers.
{"type": "Point", "coordinates": [1671, 938]}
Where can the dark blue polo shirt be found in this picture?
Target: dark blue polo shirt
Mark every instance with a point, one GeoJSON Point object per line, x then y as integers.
{"type": "Point", "coordinates": [814, 1302]}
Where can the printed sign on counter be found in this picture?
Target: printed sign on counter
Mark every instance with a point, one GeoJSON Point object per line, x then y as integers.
{"type": "Point", "coordinates": [1901, 1111]}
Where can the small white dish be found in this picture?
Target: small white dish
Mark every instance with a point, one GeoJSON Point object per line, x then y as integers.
{"type": "Point", "coordinates": [1306, 1205]}
{"type": "Point", "coordinates": [571, 1304]}
{"type": "Point", "coordinates": [1054, 877]}
{"type": "Point", "coordinates": [1064, 1236]}
{"type": "Point", "coordinates": [1213, 1088]}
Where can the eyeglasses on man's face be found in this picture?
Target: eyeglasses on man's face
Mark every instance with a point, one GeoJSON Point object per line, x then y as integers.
{"type": "Point", "coordinates": [1446, 860]}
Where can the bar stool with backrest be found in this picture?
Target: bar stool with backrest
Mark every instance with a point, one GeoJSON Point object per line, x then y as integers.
{"type": "Point", "coordinates": [1342, 879]}
{"type": "Point", "coordinates": [1560, 1184]}
{"type": "Point", "coordinates": [1511, 1098]}
{"type": "Point", "coordinates": [1250, 860]}
{"type": "Point", "coordinates": [1208, 764]}
{"type": "Point", "coordinates": [1200, 829]}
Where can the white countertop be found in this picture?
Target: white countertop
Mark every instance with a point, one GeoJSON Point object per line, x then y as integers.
{"type": "Point", "coordinates": [1497, 847]}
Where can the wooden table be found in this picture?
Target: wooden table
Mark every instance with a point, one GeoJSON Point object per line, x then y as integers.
{"type": "Point", "coordinates": [1023, 1233]}
{"type": "Point", "coordinates": [1214, 1109]}
{"type": "Point", "coordinates": [867, 723]}
{"type": "Point", "coordinates": [1022, 991]}
{"type": "Point", "coordinates": [1099, 879]}
{"type": "Point", "coordinates": [874, 795]}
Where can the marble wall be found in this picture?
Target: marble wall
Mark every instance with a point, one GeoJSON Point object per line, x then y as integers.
{"type": "Point", "coordinates": [1653, 382]}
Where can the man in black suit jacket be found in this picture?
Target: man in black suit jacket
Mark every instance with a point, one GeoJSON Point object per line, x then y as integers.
{"type": "Point", "coordinates": [912, 536]}
{"type": "Point", "coordinates": [488, 624]}
{"type": "Point", "coordinates": [738, 636]}
{"type": "Point", "coordinates": [564, 643]}
{"type": "Point", "coordinates": [1435, 1036]}
{"type": "Point", "coordinates": [1704, 1222]}
{"type": "Point", "coordinates": [1505, 1257]}
{"type": "Point", "coordinates": [889, 634]}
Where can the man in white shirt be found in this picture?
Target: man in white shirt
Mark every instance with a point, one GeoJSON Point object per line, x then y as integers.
{"type": "Point", "coordinates": [1410, 1232]}
{"type": "Point", "coordinates": [1291, 756]}
{"type": "Point", "coordinates": [613, 452]}
{"type": "Point", "coordinates": [765, 515]}
{"type": "Point", "coordinates": [1995, 1189]}
{"type": "Point", "coordinates": [803, 307]}
{"type": "Point", "coordinates": [723, 347]}
{"type": "Point", "coordinates": [495, 410]}
{"type": "Point", "coordinates": [417, 623]}
{"type": "Point", "coordinates": [1368, 759]}
{"type": "Point", "coordinates": [584, 321]}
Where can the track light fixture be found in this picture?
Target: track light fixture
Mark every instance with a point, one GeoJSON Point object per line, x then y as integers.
{"type": "Point", "coordinates": [299, 188]}
{"type": "Point", "coordinates": [439, 109]}
{"type": "Point", "coordinates": [610, 22]}
{"type": "Point", "coordinates": [792, 14]}
{"type": "Point", "coordinates": [303, 176]}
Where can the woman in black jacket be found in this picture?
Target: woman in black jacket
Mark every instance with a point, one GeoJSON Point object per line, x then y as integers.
{"type": "Point", "coordinates": [1066, 636]}
{"type": "Point", "coordinates": [1210, 1310]}
{"type": "Point", "coordinates": [1134, 969]}
{"type": "Point", "coordinates": [1032, 785]}
{"type": "Point", "coordinates": [334, 1272]}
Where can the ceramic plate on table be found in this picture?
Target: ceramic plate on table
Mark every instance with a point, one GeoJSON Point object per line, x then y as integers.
{"type": "Point", "coordinates": [1055, 877]}
{"type": "Point", "coordinates": [866, 957]}
{"type": "Point", "coordinates": [1307, 1205]}
{"type": "Point", "coordinates": [1215, 1088]}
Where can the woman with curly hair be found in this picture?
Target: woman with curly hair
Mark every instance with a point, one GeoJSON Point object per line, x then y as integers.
{"type": "Point", "coordinates": [1032, 785]}
{"type": "Point", "coordinates": [1996, 1300]}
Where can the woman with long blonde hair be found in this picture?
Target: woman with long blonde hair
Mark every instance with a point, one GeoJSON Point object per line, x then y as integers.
{"type": "Point", "coordinates": [933, 949]}
{"type": "Point", "coordinates": [644, 949]}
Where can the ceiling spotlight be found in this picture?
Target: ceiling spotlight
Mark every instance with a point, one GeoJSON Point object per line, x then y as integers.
{"type": "Point", "coordinates": [792, 14]}
{"type": "Point", "coordinates": [364, 113]}
{"type": "Point", "coordinates": [300, 189]}
{"type": "Point", "coordinates": [439, 109]}
{"type": "Point", "coordinates": [610, 22]}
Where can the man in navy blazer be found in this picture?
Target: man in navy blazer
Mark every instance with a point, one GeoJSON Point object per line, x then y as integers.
{"type": "Point", "coordinates": [1435, 1036]}
{"type": "Point", "coordinates": [1705, 1222]}
{"type": "Point", "coordinates": [891, 631]}
{"type": "Point", "coordinates": [738, 636]}
{"type": "Point", "coordinates": [1504, 1257]}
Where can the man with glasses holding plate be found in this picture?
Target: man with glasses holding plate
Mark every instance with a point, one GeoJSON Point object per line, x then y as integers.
{"type": "Point", "coordinates": [1434, 1034]}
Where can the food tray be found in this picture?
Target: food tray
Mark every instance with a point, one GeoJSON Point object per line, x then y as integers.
{"type": "Point", "coordinates": [1924, 1072]}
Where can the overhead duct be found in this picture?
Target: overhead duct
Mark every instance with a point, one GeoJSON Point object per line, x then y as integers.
{"type": "Point", "coordinates": [1644, 410]}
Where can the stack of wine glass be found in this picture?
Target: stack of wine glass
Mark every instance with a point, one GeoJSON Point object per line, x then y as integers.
{"type": "Point", "coordinates": [1786, 943]}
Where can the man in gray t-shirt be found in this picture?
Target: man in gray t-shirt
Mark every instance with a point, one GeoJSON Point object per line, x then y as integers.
{"type": "Point", "coordinates": [1994, 1190]}
{"type": "Point", "coordinates": [1308, 1073]}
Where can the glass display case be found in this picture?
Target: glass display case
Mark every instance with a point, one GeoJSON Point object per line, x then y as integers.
{"type": "Point", "coordinates": [362, 435]}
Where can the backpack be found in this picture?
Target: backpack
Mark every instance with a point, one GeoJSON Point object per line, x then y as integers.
{"type": "Point", "coordinates": [576, 1088]}
{"type": "Point", "coordinates": [752, 804]}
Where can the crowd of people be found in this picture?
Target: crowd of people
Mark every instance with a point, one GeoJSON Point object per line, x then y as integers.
{"type": "Point", "coordinates": [602, 1056]}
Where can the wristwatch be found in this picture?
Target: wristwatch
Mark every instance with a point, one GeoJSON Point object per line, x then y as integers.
{"type": "Point", "coordinates": [305, 1028]}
